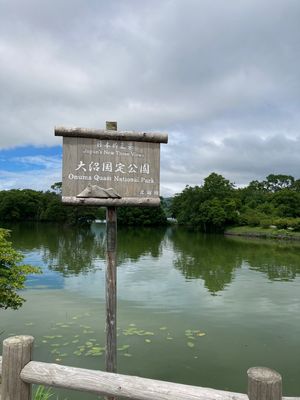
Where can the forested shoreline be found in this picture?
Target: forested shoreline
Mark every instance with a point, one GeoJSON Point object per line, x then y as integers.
{"type": "Point", "coordinates": [218, 204]}
{"type": "Point", "coordinates": [212, 207]}
{"type": "Point", "coordinates": [31, 205]}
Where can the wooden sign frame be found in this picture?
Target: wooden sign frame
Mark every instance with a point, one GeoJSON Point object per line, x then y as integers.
{"type": "Point", "coordinates": [91, 194]}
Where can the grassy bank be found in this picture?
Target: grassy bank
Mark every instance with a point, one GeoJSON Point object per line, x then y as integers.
{"type": "Point", "coordinates": [269, 233]}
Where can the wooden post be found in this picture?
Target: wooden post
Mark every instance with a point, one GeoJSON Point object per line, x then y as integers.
{"type": "Point", "coordinates": [16, 354]}
{"type": "Point", "coordinates": [111, 282]}
{"type": "Point", "coordinates": [264, 384]}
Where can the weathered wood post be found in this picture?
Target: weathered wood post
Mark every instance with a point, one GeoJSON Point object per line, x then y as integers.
{"type": "Point", "coordinates": [111, 282]}
{"type": "Point", "coordinates": [17, 352]}
{"type": "Point", "coordinates": [264, 384]}
{"type": "Point", "coordinates": [111, 168]}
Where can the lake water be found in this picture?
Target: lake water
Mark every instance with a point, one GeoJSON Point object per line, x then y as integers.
{"type": "Point", "coordinates": [192, 308]}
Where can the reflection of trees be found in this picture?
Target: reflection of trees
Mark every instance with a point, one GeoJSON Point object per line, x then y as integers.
{"type": "Point", "coordinates": [214, 258]}
{"type": "Point", "coordinates": [279, 260]}
{"type": "Point", "coordinates": [73, 250]}
{"type": "Point", "coordinates": [69, 250]}
{"type": "Point", "coordinates": [207, 257]}
{"type": "Point", "coordinates": [134, 243]}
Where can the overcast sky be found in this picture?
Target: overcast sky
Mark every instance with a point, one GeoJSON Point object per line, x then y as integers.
{"type": "Point", "coordinates": [220, 77]}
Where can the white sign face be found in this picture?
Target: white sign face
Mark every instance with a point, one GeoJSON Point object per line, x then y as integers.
{"type": "Point", "coordinates": [127, 168]}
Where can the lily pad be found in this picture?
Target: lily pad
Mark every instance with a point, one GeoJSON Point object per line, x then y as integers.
{"type": "Point", "coordinates": [124, 347]}
{"type": "Point", "coordinates": [85, 326]}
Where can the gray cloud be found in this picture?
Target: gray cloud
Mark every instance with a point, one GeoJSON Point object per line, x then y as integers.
{"type": "Point", "coordinates": [221, 77]}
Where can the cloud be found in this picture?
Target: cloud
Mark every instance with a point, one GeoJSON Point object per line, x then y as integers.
{"type": "Point", "coordinates": [41, 161]}
{"type": "Point", "coordinates": [31, 172]}
{"type": "Point", "coordinates": [221, 77]}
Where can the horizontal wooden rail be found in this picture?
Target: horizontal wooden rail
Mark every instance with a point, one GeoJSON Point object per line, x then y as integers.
{"type": "Point", "coordinates": [110, 384]}
{"type": "Point", "coordinates": [128, 387]}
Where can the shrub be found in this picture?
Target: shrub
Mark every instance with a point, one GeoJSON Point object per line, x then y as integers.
{"type": "Point", "coordinates": [12, 273]}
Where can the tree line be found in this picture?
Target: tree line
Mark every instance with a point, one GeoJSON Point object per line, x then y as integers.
{"type": "Point", "coordinates": [32, 205]}
{"type": "Point", "coordinates": [211, 207]}
{"type": "Point", "coordinates": [218, 204]}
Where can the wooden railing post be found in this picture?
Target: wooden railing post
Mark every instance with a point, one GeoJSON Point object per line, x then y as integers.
{"type": "Point", "coordinates": [264, 384]}
{"type": "Point", "coordinates": [16, 354]}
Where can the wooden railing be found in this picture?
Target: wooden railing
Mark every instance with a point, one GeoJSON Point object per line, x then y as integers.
{"type": "Point", "coordinates": [19, 373]}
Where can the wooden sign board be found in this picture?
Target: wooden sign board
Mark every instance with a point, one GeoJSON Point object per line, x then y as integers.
{"type": "Point", "coordinates": [110, 167]}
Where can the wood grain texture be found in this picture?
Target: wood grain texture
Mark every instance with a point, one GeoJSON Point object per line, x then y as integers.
{"type": "Point", "coordinates": [111, 284]}
{"type": "Point", "coordinates": [49, 374]}
{"type": "Point", "coordinates": [264, 384]}
{"type": "Point", "coordinates": [69, 158]}
{"type": "Point", "coordinates": [155, 137]}
{"type": "Point", "coordinates": [109, 384]}
{"type": "Point", "coordinates": [16, 354]}
{"type": "Point", "coordinates": [132, 169]}
{"type": "Point", "coordinates": [111, 290]}
{"type": "Point", "coordinates": [124, 202]}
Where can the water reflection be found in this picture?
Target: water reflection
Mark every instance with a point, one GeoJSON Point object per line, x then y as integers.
{"type": "Point", "coordinates": [214, 259]}
{"type": "Point", "coordinates": [279, 260]}
{"type": "Point", "coordinates": [206, 257]}
{"type": "Point", "coordinates": [133, 243]}
{"type": "Point", "coordinates": [75, 250]}
{"type": "Point", "coordinates": [74, 253]}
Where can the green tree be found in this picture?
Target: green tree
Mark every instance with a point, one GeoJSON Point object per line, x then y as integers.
{"type": "Point", "coordinates": [209, 208]}
{"type": "Point", "coordinates": [274, 182]}
{"type": "Point", "coordinates": [216, 186]}
{"type": "Point", "coordinates": [142, 216]}
{"type": "Point", "coordinates": [57, 187]}
{"type": "Point", "coordinates": [12, 273]}
{"type": "Point", "coordinates": [287, 203]}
